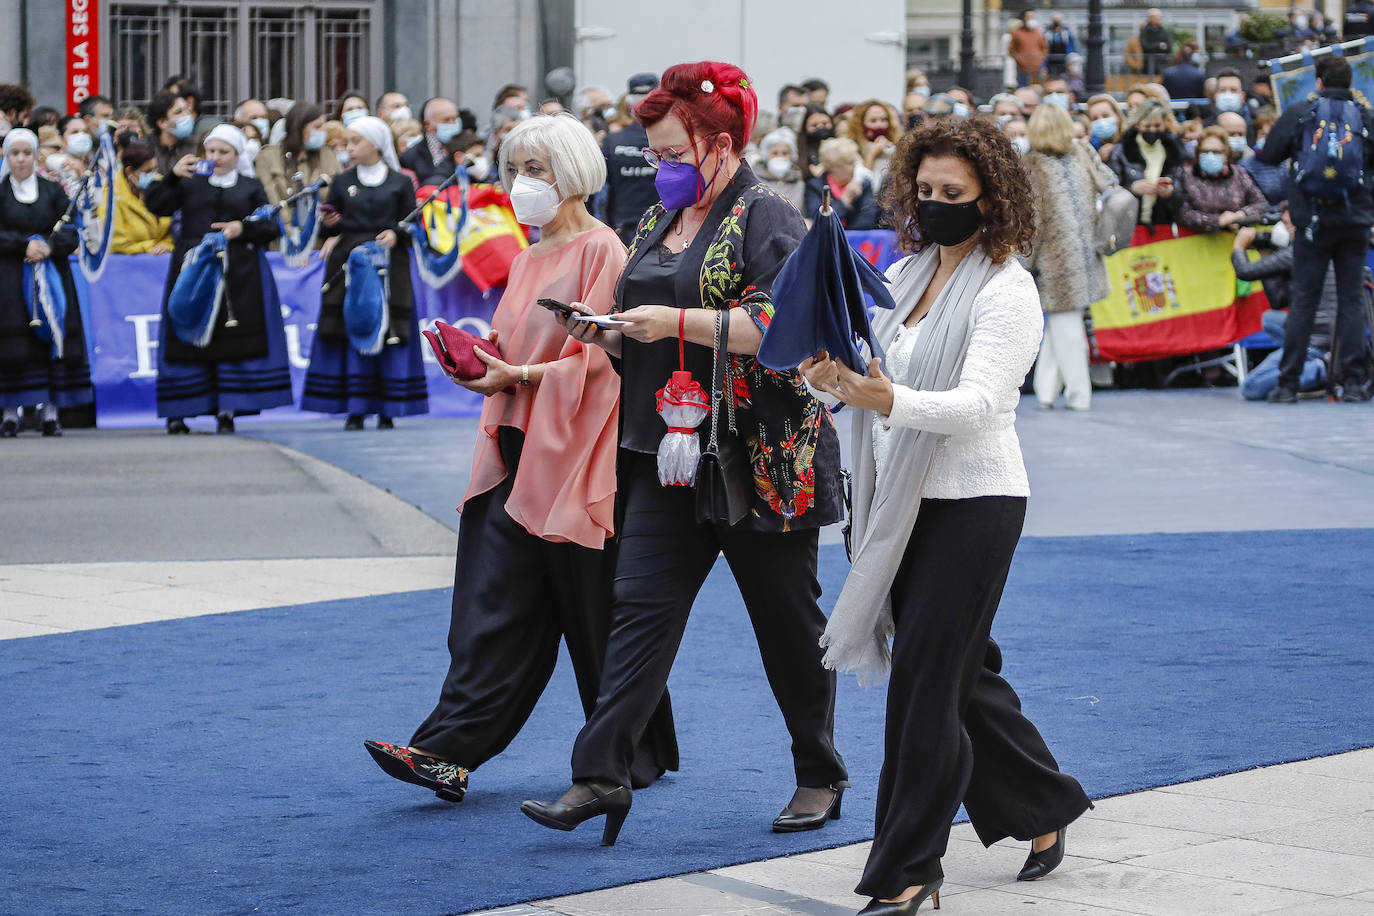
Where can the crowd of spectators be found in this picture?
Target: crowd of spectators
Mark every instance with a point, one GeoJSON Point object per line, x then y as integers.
{"type": "Point", "coordinates": [1192, 165]}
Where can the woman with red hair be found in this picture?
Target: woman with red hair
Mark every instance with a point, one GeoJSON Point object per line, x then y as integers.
{"type": "Point", "coordinates": [714, 243]}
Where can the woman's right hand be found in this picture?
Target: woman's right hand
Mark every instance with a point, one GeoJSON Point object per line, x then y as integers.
{"type": "Point", "coordinates": [185, 166]}
{"type": "Point", "coordinates": [852, 192]}
{"type": "Point", "coordinates": [331, 217]}
{"type": "Point", "coordinates": [589, 332]}
{"type": "Point", "coordinates": [820, 372]}
{"type": "Point", "coordinates": [1144, 187]}
{"type": "Point", "coordinates": [36, 251]}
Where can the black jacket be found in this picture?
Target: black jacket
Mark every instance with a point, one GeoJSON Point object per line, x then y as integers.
{"type": "Point", "coordinates": [1129, 166]}
{"type": "Point", "coordinates": [1285, 141]}
{"type": "Point", "coordinates": [630, 189]}
{"type": "Point", "coordinates": [862, 215]}
{"type": "Point", "coordinates": [1275, 272]}
{"type": "Point", "coordinates": [420, 160]}
{"type": "Point", "coordinates": [1185, 80]}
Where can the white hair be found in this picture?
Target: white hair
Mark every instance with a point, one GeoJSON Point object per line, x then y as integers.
{"type": "Point", "coordinates": [577, 163]}
{"type": "Point", "coordinates": [580, 97]}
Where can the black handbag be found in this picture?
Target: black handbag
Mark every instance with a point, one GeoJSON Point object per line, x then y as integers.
{"type": "Point", "coordinates": [725, 478]}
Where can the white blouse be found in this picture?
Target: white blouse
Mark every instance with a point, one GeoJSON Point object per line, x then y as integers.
{"type": "Point", "coordinates": [372, 175]}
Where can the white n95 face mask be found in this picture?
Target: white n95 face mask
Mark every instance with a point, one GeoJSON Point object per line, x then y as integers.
{"type": "Point", "coordinates": [1279, 236]}
{"type": "Point", "coordinates": [535, 203]}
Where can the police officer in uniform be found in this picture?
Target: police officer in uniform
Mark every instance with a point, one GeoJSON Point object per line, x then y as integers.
{"type": "Point", "coordinates": [629, 179]}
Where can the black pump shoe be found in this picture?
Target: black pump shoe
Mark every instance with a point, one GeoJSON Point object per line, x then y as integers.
{"type": "Point", "coordinates": [9, 429]}
{"type": "Point", "coordinates": [52, 428]}
{"type": "Point", "coordinates": [385, 423]}
{"type": "Point", "coordinates": [354, 422]}
{"type": "Point", "coordinates": [224, 424]}
{"type": "Point", "coordinates": [1040, 864]}
{"type": "Point", "coordinates": [878, 907]}
{"type": "Point", "coordinates": [792, 821]}
{"type": "Point", "coordinates": [176, 426]}
{"type": "Point", "coordinates": [446, 779]}
{"type": "Point", "coordinates": [612, 801]}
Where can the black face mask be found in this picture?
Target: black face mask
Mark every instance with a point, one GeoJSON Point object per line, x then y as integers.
{"type": "Point", "coordinates": [822, 133]}
{"type": "Point", "coordinates": [949, 224]}
{"type": "Point", "coordinates": [1152, 136]}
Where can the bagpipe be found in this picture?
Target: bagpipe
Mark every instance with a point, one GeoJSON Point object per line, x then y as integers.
{"type": "Point", "coordinates": [365, 273]}
{"type": "Point", "coordinates": [200, 291]}
{"type": "Point", "coordinates": [300, 226]}
{"type": "Point", "coordinates": [92, 211]}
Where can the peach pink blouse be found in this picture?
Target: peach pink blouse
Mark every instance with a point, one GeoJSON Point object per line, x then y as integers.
{"type": "Point", "coordinates": [564, 488]}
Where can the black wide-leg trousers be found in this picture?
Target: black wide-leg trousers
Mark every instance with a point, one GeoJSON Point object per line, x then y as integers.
{"type": "Point", "coordinates": [665, 555]}
{"type": "Point", "coordinates": [514, 597]}
{"type": "Point", "coordinates": [955, 732]}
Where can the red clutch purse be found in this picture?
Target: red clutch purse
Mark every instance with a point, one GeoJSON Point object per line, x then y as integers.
{"type": "Point", "coordinates": [453, 348]}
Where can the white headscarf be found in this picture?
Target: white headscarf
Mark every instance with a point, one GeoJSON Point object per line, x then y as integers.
{"type": "Point", "coordinates": [228, 133]}
{"type": "Point", "coordinates": [25, 191]}
{"type": "Point", "coordinates": [375, 131]}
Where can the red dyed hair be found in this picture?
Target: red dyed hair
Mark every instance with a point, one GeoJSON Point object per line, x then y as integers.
{"type": "Point", "coordinates": [729, 107]}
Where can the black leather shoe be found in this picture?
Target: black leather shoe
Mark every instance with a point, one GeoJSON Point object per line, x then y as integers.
{"type": "Point", "coordinates": [1354, 393]}
{"type": "Point", "coordinates": [1282, 395]}
{"type": "Point", "coordinates": [612, 801]}
{"type": "Point", "coordinates": [176, 426]}
{"type": "Point", "coordinates": [447, 780]}
{"type": "Point", "coordinates": [9, 429]}
{"type": "Point", "coordinates": [354, 422]}
{"type": "Point", "coordinates": [794, 821]}
{"type": "Point", "coordinates": [52, 428]}
{"type": "Point", "coordinates": [930, 891]}
{"type": "Point", "coordinates": [224, 424]}
{"type": "Point", "coordinates": [1040, 864]}
{"type": "Point", "coordinates": [385, 423]}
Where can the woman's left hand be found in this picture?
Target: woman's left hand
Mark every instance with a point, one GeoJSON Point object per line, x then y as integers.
{"type": "Point", "coordinates": [231, 230]}
{"type": "Point", "coordinates": [866, 392]}
{"type": "Point", "coordinates": [649, 323]}
{"type": "Point", "coordinates": [500, 374]}
{"type": "Point", "coordinates": [387, 238]}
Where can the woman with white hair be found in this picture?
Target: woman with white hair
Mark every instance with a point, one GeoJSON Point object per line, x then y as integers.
{"type": "Point", "coordinates": [532, 568]}
{"type": "Point", "coordinates": [363, 204]}
{"type": "Point", "coordinates": [851, 186]}
{"type": "Point", "coordinates": [778, 167]}
{"type": "Point", "coordinates": [35, 369]}
{"type": "Point", "coordinates": [243, 368]}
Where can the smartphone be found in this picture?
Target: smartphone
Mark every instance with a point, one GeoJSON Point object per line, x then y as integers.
{"type": "Point", "coordinates": [326, 209]}
{"type": "Point", "coordinates": [203, 167]}
{"type": "Point", "coordinates": [554, 305]}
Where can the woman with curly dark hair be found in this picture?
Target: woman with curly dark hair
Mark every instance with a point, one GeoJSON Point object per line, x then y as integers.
{"type": "Point", "coordinates": [939, 498]}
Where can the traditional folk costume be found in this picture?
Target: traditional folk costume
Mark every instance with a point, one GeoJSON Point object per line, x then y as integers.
{"type": "Point", "coordinates": [42, 341]}
{"type": "Point", "coordinates": [390, 383]}
{"type": "Point", "coordinates": [243, 368]}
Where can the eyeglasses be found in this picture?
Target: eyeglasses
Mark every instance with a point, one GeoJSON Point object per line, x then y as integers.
{"type": "Point", "coordinates": [654, 156]}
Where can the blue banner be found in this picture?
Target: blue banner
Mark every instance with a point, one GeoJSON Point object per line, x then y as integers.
{"type": "Point", "coordinates": [122, 315]}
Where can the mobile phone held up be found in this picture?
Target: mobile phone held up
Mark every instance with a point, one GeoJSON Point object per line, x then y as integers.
{"type": "Point", "coordinates": [554, 305]}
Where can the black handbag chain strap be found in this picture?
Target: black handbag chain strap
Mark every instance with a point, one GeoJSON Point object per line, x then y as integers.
{"type": "Point", "coordinates": [720, 358]}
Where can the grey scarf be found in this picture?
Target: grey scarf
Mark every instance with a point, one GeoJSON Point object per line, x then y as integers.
{"type": "Point", "coordinates": [884, 510]}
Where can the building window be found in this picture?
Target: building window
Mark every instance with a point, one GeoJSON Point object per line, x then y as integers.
{"type": "Point", "coordinates": [252, 48]}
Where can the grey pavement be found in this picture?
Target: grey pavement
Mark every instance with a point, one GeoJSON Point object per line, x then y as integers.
{"type": "Point", "coordinates": [112, 528]}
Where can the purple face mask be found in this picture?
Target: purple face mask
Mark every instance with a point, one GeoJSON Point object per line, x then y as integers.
{"type": "Point", "coordinates": [679, 184]}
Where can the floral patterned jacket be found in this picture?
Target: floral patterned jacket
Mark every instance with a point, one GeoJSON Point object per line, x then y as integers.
{"type": "Point", "coordinates": [791, 437]}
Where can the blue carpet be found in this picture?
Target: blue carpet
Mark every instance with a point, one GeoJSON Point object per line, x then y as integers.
{"type": "Point", "coordinates": [214, 764]}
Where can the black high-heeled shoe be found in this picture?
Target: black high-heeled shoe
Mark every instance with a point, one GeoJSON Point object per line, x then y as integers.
{"type": "Point", "coordinates": [612, 801]}
{"type": "Point", "coordinates": [930, 891]}
{"type": "Point", "coordinates": [1039, 864]}
{"type": "Point", "coordinates": [792, 821]}
{"type": "Point", "coordinates": [354, 422]}
{"type": "Point", "coordinates": [176, 426]}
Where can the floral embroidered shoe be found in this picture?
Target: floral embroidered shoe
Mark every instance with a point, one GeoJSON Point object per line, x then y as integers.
{"type": "Point", "coordinates": [448, 780]}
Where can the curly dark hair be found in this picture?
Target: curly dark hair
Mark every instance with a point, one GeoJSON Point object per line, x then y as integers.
{"type": "Point", "coordinates": [1008, 215]}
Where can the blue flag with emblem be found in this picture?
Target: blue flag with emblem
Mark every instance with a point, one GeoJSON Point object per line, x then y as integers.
{"type": "Point", "coordinates": [46, 300]}
{"type": "Point", "coordinates": [95, 212]}
{"type": "Point", "coordinates": [365, 308]}
{"type": "Point", "coordinates": [199, 291]}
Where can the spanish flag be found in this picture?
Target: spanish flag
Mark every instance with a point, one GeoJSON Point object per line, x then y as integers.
{"type": "Point", "coordinates": [490, 240]}
{"type": "Point", "coordinates": [1173, 293]}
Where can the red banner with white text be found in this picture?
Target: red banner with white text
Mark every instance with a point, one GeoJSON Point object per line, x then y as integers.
{"type": "Point", "coordinates": [83, 51]}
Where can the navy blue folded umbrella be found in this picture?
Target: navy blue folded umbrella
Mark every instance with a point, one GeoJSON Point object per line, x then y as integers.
{"type": "Point", "coordinates": [819, 300]}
